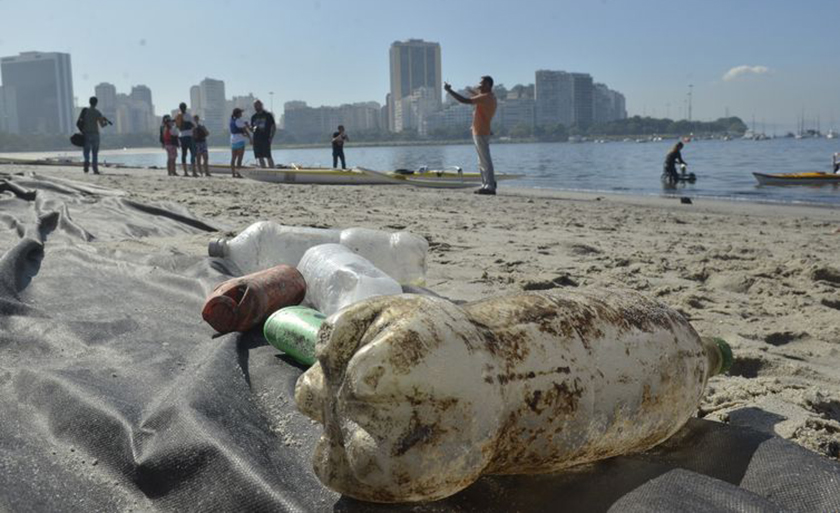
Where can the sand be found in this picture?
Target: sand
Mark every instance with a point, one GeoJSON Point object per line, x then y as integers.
{"type": "Point", "coordinates": [765, 277]}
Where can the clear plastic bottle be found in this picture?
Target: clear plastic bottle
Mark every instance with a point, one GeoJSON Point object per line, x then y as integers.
{"type": "Point", "coordinates": [400, 255]}
{"type": "Point", "coordinates": [337, 277]}
{"type": "Point", "coordinates": [266, 244]}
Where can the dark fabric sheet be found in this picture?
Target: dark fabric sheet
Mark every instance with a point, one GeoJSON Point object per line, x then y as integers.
{"type": "Point", "coordinates": [114, 396]}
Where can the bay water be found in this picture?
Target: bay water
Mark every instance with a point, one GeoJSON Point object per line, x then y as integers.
{"type": "Point", "coordinates": [723, 168]}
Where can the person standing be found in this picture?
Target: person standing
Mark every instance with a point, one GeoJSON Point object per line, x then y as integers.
{"type": "Point", "coordinates": [669, 172]}
{"type": "Point", "coordinates": [338, 140]}
{"type": "Point", "coordinates": [89, 122]}
{"type": "Point", "coordinates": [485, 109]}
{"type": "Point", "coordinates": [185, 123]}
{"type": "Point", "coordinates": [240, 133]}
{"type": "Point", "coordinates": [200, 134]}
{"type": "Point", "coordinates": [262, 123]}
{"type": "Point", "coordinates": [169, 141]}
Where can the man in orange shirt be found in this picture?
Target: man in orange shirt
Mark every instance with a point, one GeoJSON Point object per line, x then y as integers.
{"type": "Point", "coordinates": [485, 108]}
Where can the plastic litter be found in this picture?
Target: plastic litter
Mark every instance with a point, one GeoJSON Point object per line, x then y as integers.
{"type": "Point", "coordinates": [419, 397]}
{"type": "Point", "coordinates": [337, 277]}
{"type": "Point", "coordinates": [241, 303]}
{"type": "Point", "coordinates": [401, 255]}
{"type": "Point", "coordinates": [294, 330]}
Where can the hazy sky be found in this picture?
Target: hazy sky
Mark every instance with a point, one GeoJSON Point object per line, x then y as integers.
{"type": "Point", "coordinates": [770, 59]}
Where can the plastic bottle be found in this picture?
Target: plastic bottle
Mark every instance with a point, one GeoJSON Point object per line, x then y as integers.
{"type": "Point", "coordinates": [294, 330]}
{"type": "Point", "coordinates": [266, 244]}
{"type": "Point", "coordinates": [400, 255]}
{"type": "Point", "coordinates": [419, 397]}
{"type": "Point", "coordinates": [241, 303]}
{"type": "Point", "coordinates": [336, 277]}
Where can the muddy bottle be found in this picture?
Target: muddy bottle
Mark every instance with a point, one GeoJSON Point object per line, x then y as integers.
{"type": "Point", "coordinates": [241, 303]}
{"type": "Point", "coordinates": [294, 331]}
{"type": "Point", "coordinates": [336, 277]}
{"type": "Point", "coordinates": [419, 397]}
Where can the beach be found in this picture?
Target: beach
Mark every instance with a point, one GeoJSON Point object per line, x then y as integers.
{"type": "Point", "coordinates": [764, 277]}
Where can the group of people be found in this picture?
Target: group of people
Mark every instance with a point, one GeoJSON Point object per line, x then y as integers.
{"type": "Point", "coordinates": [187, 133]}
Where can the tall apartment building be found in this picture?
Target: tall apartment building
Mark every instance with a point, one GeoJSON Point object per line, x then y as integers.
{"type": "Point", "coordinates": [213, 104]}
{"type": "Point", "coordinates": [583, 90]}
{"type": "Point", "coordinates": [8, 111]}
{"type": "Point", "coordinates": [554, 97]}
{"type": "Point", "coordinates": [41, 84]}
{"type": "Point", "coordinates": [414, 64]}
{"type": "Point", "coordinates": [107, 95]}
{"type": "Point", "coordinates": [195, 100]}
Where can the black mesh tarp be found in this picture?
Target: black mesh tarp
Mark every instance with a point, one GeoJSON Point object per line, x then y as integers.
{"type": "Point", "coordinates": [114, 396]}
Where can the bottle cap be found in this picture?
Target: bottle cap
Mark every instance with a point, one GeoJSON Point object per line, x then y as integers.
{"type": "Point", "coordinates": [216, 247]}
{"type": "Point", "coordinates": [221, 312]}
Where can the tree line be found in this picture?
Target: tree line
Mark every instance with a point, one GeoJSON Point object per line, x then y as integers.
{"type": "Point", "coordinates": [635, 126]}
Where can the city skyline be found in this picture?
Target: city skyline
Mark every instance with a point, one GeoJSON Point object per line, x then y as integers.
{"type": "Point", "coordinates": [747, 59]}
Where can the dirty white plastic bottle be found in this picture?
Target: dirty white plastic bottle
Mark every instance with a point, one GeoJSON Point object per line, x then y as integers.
{"type": "Point", "coordinates": [337, 277]}
{"type": "Point", "coordinates": [267, 244]}
{"type": "Point", "coordinates": [419, 397]}
{"type": "Point", "coordinates": [400, 255]}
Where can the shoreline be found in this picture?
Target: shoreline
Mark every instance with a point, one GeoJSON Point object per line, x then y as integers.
{"type": "Point", "coordinates": [631, 198]}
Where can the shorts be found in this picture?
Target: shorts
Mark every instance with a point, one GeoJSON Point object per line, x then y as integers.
{"type": "Point", "coordinates": [201, 147]}
{"type": "Point", "coordinates": [171, 151]}
{"type": "Point", "coordinates": [240, 145]}
{"type": "Point", "coordinates": [262, 149]}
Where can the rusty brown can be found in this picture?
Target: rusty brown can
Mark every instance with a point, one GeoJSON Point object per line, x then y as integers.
{"type": "Point", "coordinates": [241, 303]}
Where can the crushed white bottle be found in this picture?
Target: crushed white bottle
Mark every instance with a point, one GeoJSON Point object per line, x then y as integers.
{"type": "Point", "coordinates": [337, 277]}
{"type": "Point", "coordinates": [400, 255]}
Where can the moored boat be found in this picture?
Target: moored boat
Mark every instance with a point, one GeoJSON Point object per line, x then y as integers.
{"type": "Point", "coordinates": [808, 178]}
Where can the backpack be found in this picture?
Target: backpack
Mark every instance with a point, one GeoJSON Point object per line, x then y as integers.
{"type": "Point", "coordinates": [80, 123]}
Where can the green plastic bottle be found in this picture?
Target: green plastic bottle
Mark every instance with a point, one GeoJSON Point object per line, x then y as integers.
{"type": "Point", "coordinates": [294, 330]}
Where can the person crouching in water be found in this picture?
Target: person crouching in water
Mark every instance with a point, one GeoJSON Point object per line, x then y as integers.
{"type": "Point", "coordinates": [202, 157]}
{"type": "Point", "coordinates": [671, 159]}
{"type": "Point", "coordinates": [240, 134]}
{"type": "Point", "coordinates": [169, 141]}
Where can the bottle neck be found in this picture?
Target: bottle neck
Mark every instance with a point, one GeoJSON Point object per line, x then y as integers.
{"type": "Point", "coordinates": [719, 355]}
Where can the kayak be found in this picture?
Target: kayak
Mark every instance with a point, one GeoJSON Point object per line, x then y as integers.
{"type": "Point", "coordinates": [361, 176]}
{"type": "Point", "coordinates": [809, 178]}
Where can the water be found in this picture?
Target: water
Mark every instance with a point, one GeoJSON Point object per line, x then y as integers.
{"type": "Point", "coordinates": [724, 168]}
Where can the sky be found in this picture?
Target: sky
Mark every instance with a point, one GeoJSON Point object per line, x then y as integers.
{"type": "Point", "coordinates": [773, 61]}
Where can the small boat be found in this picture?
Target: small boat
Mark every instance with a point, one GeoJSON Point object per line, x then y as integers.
{"type": "Point", "coordinates": [809, 178]}
{"type": "Point", "coordinates": [450, 178]}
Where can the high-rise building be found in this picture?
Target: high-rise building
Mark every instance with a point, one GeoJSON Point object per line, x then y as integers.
{"type": "Point", "coordinates": [415, 64]}
{"type": "Point", "coordinates": [107, 95]}
{"type": "Point", "coordinates": [8, 111]}
{"type": "Point", "coordinates": [195, 100]}
{"type": "Point", "coordinates": [42, 87]}
{"type": "Point", "coordinates": [304, 123]}
{"type": "Point", "coordinates": [584, 93]}
{"type": "Point", "coordinates": [213, 104]}
{"type": "Point", "coordinates": [554, 95]}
